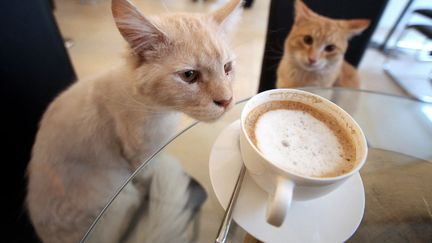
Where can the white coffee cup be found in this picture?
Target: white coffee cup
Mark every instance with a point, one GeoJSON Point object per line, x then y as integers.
{"type": "Point", "coordinates": [283, 185]}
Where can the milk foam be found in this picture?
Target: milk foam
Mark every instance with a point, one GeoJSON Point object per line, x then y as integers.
{"type": "Point", "coordinates": [299, 142]}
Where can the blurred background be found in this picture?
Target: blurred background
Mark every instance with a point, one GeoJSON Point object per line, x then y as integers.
{"type": "Point", "coordinates": [97, 45]}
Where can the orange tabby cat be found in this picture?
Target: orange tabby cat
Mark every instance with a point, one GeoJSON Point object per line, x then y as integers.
{"type": "Point", "coordinates": [314, 51]}
{"type": "Point", "coordinates": [97, 132]}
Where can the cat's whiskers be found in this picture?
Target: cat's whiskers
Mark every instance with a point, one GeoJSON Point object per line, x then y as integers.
{"type": "Point", "coordinates": [132, 102]}
{"type": "Point", "coordinates": [279, 50]}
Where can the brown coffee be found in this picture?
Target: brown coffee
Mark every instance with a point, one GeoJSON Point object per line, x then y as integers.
{"type": "Point", "coordinates": [301, 139]}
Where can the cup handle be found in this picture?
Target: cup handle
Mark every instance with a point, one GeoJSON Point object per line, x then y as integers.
{"type": "Point", "coordinates": [279, 202]}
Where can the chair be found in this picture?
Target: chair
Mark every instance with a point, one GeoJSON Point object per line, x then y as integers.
{"type": "Point", "coordinates": [34, 68]}
{"type": "Point", "coordinates": [405, 64]}
{"type": "Point", "coordinates": [424, 12]}
{"type": "Point", "coordinates": [423, 29]}
{"type": "Point", "coordinates": [281, 18]}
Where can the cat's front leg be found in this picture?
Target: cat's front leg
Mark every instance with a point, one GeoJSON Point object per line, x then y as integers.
{"type": "Point", "coordinates": [114, 223]}
{"type": "Point", "coordinates": [173, 201]}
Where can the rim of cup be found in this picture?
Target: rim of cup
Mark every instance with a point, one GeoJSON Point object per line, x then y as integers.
{"type": "Point", "coordinates": [362, 145]}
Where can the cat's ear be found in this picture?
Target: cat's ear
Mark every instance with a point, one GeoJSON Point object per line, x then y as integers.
{"type": "Point", "coordinates": [228, 15]}
{"type": "Point", "coordinates": [142, 35]}
{"type": "Point", "coordinates": [302, 11]}
{"type": "Point", "coordinates": [356, 26]}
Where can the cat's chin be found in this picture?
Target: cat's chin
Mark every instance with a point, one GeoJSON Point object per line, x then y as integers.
{"type": "Point", "coordinates": [209, 119]}
{"type": "Point", "coordinates": [211, 116]}
{"type": "Point", "coordinates": [312, 68]}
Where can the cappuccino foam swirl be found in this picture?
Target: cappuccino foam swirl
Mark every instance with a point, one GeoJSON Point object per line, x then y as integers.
{"type": "Point", "coordinates": [301, 139]}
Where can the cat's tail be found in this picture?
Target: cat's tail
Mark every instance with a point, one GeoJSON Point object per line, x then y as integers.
{"type": "Point", "coordinates": [173, 203]}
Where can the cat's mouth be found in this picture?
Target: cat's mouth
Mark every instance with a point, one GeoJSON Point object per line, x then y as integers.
{"type": "Point", "coordinates": [220, 111]}
{"type": "Point", "coordinates": [210, 118]}
{"type": "Point", "coordinates": [212, 113]}
{"type": "Point", "coordinates": [312, 66]}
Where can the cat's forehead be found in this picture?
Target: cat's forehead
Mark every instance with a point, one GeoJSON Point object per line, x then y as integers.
{"type": "Point", "coordinates": [197, 35]}
{"type": "Point", "coordinates": [322, 29]}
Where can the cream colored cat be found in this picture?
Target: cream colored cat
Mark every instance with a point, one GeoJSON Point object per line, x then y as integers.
{"type": "Point", "coordinates": [314, 51]}
{"type": "Point", "coordinates": [97, 132]}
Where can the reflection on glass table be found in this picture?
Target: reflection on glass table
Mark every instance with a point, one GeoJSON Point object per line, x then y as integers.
{"type": "Point", "coordinates": [397, 183]}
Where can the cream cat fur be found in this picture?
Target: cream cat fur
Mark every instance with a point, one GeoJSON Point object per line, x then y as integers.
{"type": "Point", "coordinates": [314, 51]}
{"type": "Point", "coordinates": [97, 132]}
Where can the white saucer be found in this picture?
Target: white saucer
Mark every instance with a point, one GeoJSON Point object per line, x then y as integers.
{"type": "Point", "coordinates": [332, 218]}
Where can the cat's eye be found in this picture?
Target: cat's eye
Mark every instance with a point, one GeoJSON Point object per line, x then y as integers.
{"type": "Point", "coordinates": [189, 76]}
{"type": "Point", "coordinates": [330, 48]}
{"type": "Point", "coordinates": [308, 40]}
{"type": "Point", "coordinates": [228, 67]}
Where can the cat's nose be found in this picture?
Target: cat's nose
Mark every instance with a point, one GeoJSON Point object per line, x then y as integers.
{"type": "Point", "coordinates": [223, 103]}
{"type": "Point", "coordinates": [312, 60]}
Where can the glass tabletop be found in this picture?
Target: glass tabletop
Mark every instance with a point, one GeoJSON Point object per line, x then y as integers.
{"type": "Point", "coordinates": [397, 176]}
